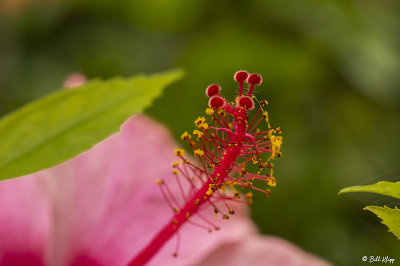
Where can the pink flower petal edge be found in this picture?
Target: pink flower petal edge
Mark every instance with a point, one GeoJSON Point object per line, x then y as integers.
{"type": "Point", "coordinates": [102, 206]}
{"type": "Point", "coordinates": [257, 250]}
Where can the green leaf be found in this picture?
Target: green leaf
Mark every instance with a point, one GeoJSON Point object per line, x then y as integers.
{"type": "Point", "coordinates": [390, 218]}
{"type": "Point", "coordinates": [53, 129]}
{"type": "Point", "coordinates": [383, 187]}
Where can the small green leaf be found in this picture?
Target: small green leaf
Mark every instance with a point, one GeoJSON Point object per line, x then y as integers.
{"type": "Point", "coordinates": [384, 187]}
{"type": "Point", "coordinates": [53, 129]}
{"type": "Point", "coordinates": [390, 218]}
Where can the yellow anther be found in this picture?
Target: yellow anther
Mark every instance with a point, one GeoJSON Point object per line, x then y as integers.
{"type": "Point", "coordinates": [175, 164]}
{"type": "Point", "coordinates": [204, 126]}
{"type": "Point", "coordinates": [223, 188]}
{"type": "Point", "coordinates": [210, 190]}
{"type": "Point", "coordinates": [263, 102]}
{"type": "Point", "coordinates": [159, 182]}
{"type": "Point", "coordinates": [175, 172]}
{"type": "Point", "coordinates": [276, 142]}
{"type": "Point", "coordinates": [197, 134]}
{"type": "Point", "coordinates": [271, 179]}
{"type": "Point", "coordinates": [187, 215]}
{"type": "Point", "coordinates": [249, 196]}
{"type": "Point", "coordinates": [249, 202]}
{"type": "Point", "coordinates": [243, 171]}
{"type": "Point", "coordinates": [179, 152]}
{"type": "Point", "coordinates": [265, 115]}
{"type": "Point", "coordinates": [197, 201]}
{"type": "Point", "coordinates": [186, 136]}
{"type": "Point", "coordinates": [225, 217]}
{"type": "Point", "coordinates": [209, 111]}
{"type": "Point", "coordinates": [199, 121]}
{"type": "Point", "coordinates": [199, 153]}
{"type": "Point", "coordinates": [174, 220]}
{"type": "Point", "coordinates": [176, 210]}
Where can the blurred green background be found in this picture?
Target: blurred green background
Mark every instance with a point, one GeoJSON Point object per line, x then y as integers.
{"type": "Point", "coordinates": [331, 73]}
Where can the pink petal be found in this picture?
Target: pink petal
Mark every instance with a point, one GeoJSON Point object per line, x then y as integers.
{"type": "Point", "coordinates": [23, 222]}
{"type": "Point", "coordinates": [257, 250]}
{"type": "Point", "coordinates": [74, 80]}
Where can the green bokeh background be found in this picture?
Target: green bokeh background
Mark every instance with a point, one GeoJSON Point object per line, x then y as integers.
{"type": "Point", "coordinates": [331, 73]}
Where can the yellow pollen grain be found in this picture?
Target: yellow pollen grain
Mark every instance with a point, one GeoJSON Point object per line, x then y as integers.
{"type": "Point", "coordinates": [175, 172]}
{"type": "Point", "coordinates": [187, 215]}
{"type": "Point", "coordinates": [175, 164]}
{"type": "Point", "coordinates": [174, 220]}
{"type": "Point", "coordinates": [199, 153]}
{"type": "Point", "coordinates": [197, 201]}
{"type": "Point", "coordinates": [176, 210]}
{"type": "Point", "coordinates": [179, 152]}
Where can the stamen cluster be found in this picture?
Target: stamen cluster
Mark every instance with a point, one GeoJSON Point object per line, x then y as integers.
{"type": "Point", "coordinates": [212, 143]}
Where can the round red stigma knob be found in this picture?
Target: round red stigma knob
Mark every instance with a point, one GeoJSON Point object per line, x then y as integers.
{"type": "Point", "coordinates": [241, 75]}
{"type": "Point", "coordinates": [254, 79]}
{"type": "Point", "coordinates": [245, 102]}
{"type": "Point", "coordinates": [216, 102]}
{"type": "Point", "coordinates": [212, 90]}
